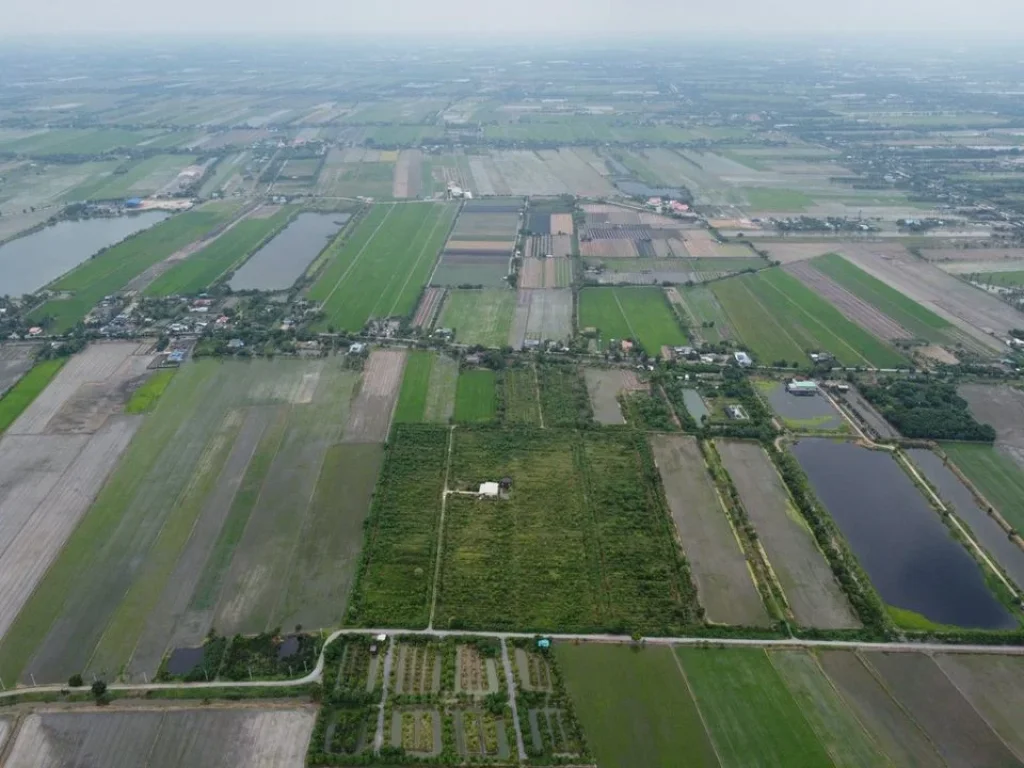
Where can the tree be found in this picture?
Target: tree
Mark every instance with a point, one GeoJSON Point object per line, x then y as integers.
{"type": "Point", "coordinates": [75, 681]}
{"type": "Point", "coordinates": [99, 688]}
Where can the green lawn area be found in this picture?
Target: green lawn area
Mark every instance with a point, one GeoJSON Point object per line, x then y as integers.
{"type": "Point", "coordinates": [781, 319]}
{"type": "Point", "coordinates": [996, 475]}
{"type": "Point", "coordinates": [225, 254]}
{"type": "Point", "coordinates": [905, 311]}
{"type": "Point", "coordinates": [767, 199]}
{"type": "Point", "coordinates": [634, 707]}
{"type": "Point", "coordinates": [380, 269]}
{"type": "Point", "coordinates": [412, 400]}
{"type": "Point", "coordinates": [1004, 279]}
{"type": "Point", "coordinates": [480, 316]}
{"type": "Point", "coordinates": [641, 314]}
{"type": "Point", "coordinates": [20, 396]}
{"type": "Point", "coordinates": [145, 397]}
{"type": "Point", "coordinates": [476, 396]}
{"type": "Point", "coordinates": [113, 269]}
{"type": "Point", "coordinates": [752, 717]}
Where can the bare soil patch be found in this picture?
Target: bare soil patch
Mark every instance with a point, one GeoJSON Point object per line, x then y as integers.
{"type": "Point", "coordinates": [370, 417]}
{"type": "Point", "coordinates": [1003, 408]}
{"type": "Point", "coordinates": [973, 255]}
{"type": "Point", "coordinates": [604, 387]}
{"type": "Point", "coordinates": [428, 307]}
{"type": "Point", "coordinates": [724, 582]}
{"type": "Point", "coordinates": [561, 224]}
{"type": "Point", "coordinates": [995, 687]}
{"type": "Point", "coordinates": [15, 361]}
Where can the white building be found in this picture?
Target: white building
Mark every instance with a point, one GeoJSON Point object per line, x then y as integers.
{"type": "Point", "coordinates": [489, 490]}
{"type": "Point", "coordinates": [743, 359]}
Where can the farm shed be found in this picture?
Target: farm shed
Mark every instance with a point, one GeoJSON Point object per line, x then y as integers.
{"type": "Point", "coordinates": [798, 387]}
{"type": "Point", "coordinates": [489, 490]}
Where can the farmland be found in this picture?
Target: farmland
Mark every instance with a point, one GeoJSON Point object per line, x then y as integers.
{"type": "Point", "coordinates": [479, 317]}
{"type": "Point", "coordinates": [475, 396]}
{"type": "Point", "coordinates": [428, 389]}
{"type": "Point", "coordinates": [204, 505]}
{"type": "Point", "coordinates": [641, 314]}
{"type": "Point", "coordinates": [780, 319]}
{"type": "Point", "coordinates": [380, 269]}
{"type": "Point", "coordinates": [15, 400]}
{"type": "Point", "coordinates": [599, 504]}
{"type": "Point", "coordinates": [164, 737]}
{"type": "Point", "coordinates": [997, 476]}
{"type": "Point", "coordinates": [202, 269]}
{"type": "Point", "coordinates": [114, 269]}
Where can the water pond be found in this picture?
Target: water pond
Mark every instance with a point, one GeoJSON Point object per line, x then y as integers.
{"type": "Point", "coordinates": [695, 404]}
{"type": "Point", "coordinates": [30, 262]}
{"type": "Point", "coordinates": [986, 531]}
{"type": "Point", "coordinates": [804, 413]}
{"type": "Point", "coordinates": [281, 262]}
{"type": "Point", "coordinates": [910, 556]}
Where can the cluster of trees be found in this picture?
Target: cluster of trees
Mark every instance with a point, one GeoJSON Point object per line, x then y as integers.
{"type": "Point", "coordinates": [926, 408]}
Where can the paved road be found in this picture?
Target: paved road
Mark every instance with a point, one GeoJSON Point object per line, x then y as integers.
{"type": "Point", "coordinates": [316, 675]}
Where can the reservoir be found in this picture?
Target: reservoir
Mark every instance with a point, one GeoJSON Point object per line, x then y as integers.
{"type": "Point", "coordinates": [912, 559]}
{"type": "Point", "coordinates": [281, 262]}
{"type": "Point", "coordinates": [31, 262]}
{"type": "Point", "coordinates": [986, 531]}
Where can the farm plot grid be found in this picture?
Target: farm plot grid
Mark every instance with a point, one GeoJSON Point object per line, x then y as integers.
{"type": "Point", "coordinates": [226, 514]}
{"type": "Point", "coordinates": [479, 251]}
{"type": "Point", "coordinates": [640, 314]}
{"type": "Point", "coordinates": [381, 268]}
{"type": "Point", "coordinates": [781, 320]}
{"type": "Point", "coordinates": [616, 564]}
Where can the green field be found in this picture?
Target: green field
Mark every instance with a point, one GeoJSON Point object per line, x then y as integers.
{"type": "Point", "coordinates": [905, 311]}
{"type": "Point", "coordinates": [634, 707]}
{"type": "Point", "coordinates": [781, 320]}
{"type": "Point", "coordinates": [20, 396]}
{"type": "Point", "coordinates": [519, 399]}
{"type": "Point", "coordinates": [476, 396]}
{"type": "Point", "coordinates": [412, 399]}
{"type": "Point", "coordinates": [1004, 279]}
{"type": "Point", "coordinates": [481, 317]}
{"type": "Point", "coordinates": [767, 199]}
{"type": "Point", "coordinates": [641, 314]}
{"type": "Point", "coordinates": [706, 314]}
{"type": "Point", "coordinates": [381, 268]}
{"type": "Point", "coordinates": [726, 264]}
{"type": "Point", "coordinates": [996, 475]}
{"type": "Point", "coordinates": [145, 397]}
{"type": "Point", "coordinates": [73, 141]}
{"type": "Point", "coordinates": [225, 254]}
{"type": "Point", "coordinates": [113, 269]}
{"type": "Point", "coordinates": [584, 537]}
{"type": "Point", "coordinates": [752, 717]}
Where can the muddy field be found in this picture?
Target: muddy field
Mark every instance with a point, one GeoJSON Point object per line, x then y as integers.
{"type": "Point", "coordinates": [408, 174]}
{"type": "Point", "coordinates": [803, 413]}
{"type": "Point", "coordinates": [207, 738]}
{"type": "Point", "coordinates": [812, 592]}
{"type": "Point", "coordinates": [853, 308]}
{"type": "Point", "coordinates": [790, 253]}
{"type": "Point", "coordinates": [1003, 408]}
{"type": "Point", "coordinates": [370, 418]}
{"type": "Point", "coordinates": [15, 360]}
{"type": "Point", "coordinates": [541, 313]}
{"type": "Point", "coordinates": [428, 307]}
{"type": "Point", "coordinates": [994, 685]}
{"type": "Point", "coordinates": [54, 459]}
{"type": "Point", "coordinates": [561, 224]}
{"type": "Point", "coordinates": [724, 582]}
{"type": "Point", "coordinates": [604, 387]}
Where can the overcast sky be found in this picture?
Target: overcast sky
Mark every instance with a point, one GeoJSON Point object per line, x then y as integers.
{"type": "Point", "coordinates": [489, 17]}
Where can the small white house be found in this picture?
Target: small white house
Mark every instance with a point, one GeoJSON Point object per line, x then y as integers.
{"type": "Point", "coordinates": [743, 359]}
{"type": "Point", "coordinates": [489, 490]}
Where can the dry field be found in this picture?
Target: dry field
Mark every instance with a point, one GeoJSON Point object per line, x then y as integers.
{"type": "Point", "coordinates": [408, 174]}
{"type": "Point", "coordinates": [54, 459]}
{"type": "Point", "coordinates": [812, 592]}
{"type": "Point", "coordinates": [972, 310]}
{"type": "Point", "coordinates": [561, 224]}
{"type": "Point", "coordinates": [994, 686]}
{"type": "Point", "coordinates": [541, 313]}
{"type": "Point", "coordinates": [853, 308]}
{"type": "Point", "coordinates": [789, 253]}
{"type": "Point", "coordinates": [544, 173]}
{"type": "Point", "coordinates": [370, 418]}
{"type": "Point", "coordinates": [724, 581]}
{"type": "Point", "coordinates": [609, 249]}
{"type": "Point", "coordinates": [1003, 408]}
{"type": "Point", "coordinates": [428, 308]}
{"type": "Point", "coordinates": [604, 387]}
{"type": "Point", "coordinates": [604, 214]}
{"type": "Point", "coordinates": [974, 255]}
{"type": "Point", "coordinates": [478, 246]}
{"type": "Point", "coordinates": [164, 738]}
{"type": "Point", "coordinates": [980, 267]}
{"type": "Point", "coordinates": [15, 360]}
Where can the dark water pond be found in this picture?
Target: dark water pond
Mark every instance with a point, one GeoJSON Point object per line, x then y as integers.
{"type": "Point", "coordinates": [280, 262]}
{"type": "Point", "coordinates": [30, 262]}
{"type": "Point", "coordinates": [904, 546]}
{"type": "Point", "coordinates": [986, 530]}
{"type": "Point", "coordinates": [184, 660]}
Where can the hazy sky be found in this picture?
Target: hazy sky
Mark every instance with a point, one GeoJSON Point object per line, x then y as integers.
{"type": "Point", "coordinates": [514, 17]}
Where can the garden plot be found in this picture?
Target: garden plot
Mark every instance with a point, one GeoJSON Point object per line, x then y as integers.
{"type": "Point", "coordinates": [416, 669]}
{"type": "Point", "coordinates": [54, 459]}
{"type": "Point", "coordinates": [15, 361]}
{"type": "Point", "coordinates": [597, 496]}
{"type": "Point", "coordinates": [164, 738]}
{"type": "Point", "coordinates": [931, 698]}
{"type": "Point", "coordinates": [599, 214]}
{"type": "Point", "coordinates": [541, 314]}
{"type": "Point", "coordinates": [533, 673]}
{"type": "Point", "coordinates": [605, 387]}
{"type": "Point", "coordinates": [475, 674]}
{"type": "Point", "coordinates": [724, 581]}
{"type": "Point", "coordinates": [428, 307]}
{"type": "Point", "coordinates": [370, 417]}
{"type": "Point", "coordinates": [812, 592]}
{"type": "Point", "coordinates": [802, 413]}
{"type": "Point", "coordinates": [479, 733]}
{"type": "Point", "coordinates": [417, 730]}
{"type": "Point", "coordinates": [225, 513]}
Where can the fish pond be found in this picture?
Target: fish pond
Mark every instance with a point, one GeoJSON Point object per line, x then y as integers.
{"type": "Point", "coordinates": [803, 413]}
{"type": "Point", "coordinates": [910, 556]}
{"type": "Point", "coordinates": [281, 262]}
{"type": "Point", "coordinates": [30, 262]}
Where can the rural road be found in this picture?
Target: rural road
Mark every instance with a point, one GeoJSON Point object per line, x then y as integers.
{"type": "Point", "coordinates": [717, 642]}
